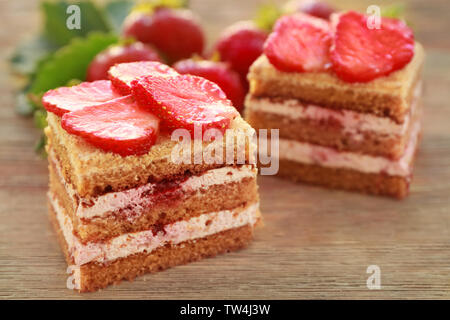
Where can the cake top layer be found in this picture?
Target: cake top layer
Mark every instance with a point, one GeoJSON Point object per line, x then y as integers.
{"type": "Point", "coordinates": [354, 47]}
{"type": "Point", "coordinates": [92, 171]}
{"type": "Point", "coordinates": [388, 96]}
{"type": "Point", "coordinates": [154, 96]}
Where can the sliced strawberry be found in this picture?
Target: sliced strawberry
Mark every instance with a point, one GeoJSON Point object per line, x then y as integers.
{"type": "Point", "coordinates": [121, 75]}
{"type": "Point", "coordinates": [361, 54]}
{"type": "Point", "coordinates": [119, 126]}
{"type": "Point", "coordinates": [299, 43]}
{"type": "Point", "coordinates": [185, 101]}
{"type": "Point", "coordinates": [65, 99]}
{"type": "Point", "coordinates": [218, 72]}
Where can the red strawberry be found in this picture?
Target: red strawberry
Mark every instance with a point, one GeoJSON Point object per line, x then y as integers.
{"type": "Point", "coordinates": [299, 43]}
{"type": "Point", "coordinates": [123, 74]}
{"type": "Point", "coordinates": [361, 54]}
{"type": "Point", "coordinates": [315, 8]}
{"type": "Point", "coordinates": [119, 126]}
{"type": "Point", "coordinates": [65, 99]}
{"type": "Point", "coordinates": [185, 102]}
{"type": "Point", "coordinates": [217, 72]}
{"type": "Point", "coordinates": [240, 45]}
{"type": "Point", "coordinates": [98, 69]}
{"type": "Point", "coordinates": [174, 32]}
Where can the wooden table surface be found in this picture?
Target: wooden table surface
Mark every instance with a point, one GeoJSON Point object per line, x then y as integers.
{"type": "Point", "coordinates": [316, 243]}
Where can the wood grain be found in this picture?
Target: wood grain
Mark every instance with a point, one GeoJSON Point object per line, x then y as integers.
{"type": "Point", "coordinates": [316, 243]}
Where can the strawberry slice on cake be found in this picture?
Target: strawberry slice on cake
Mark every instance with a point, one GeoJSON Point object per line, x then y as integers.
{"type": "Point", "coordinates": [299, 43]}
{"type": "Point", "coordinates": [121, 75]}
{"type": "Point", "coordinates": [185, 101]}
{"type": "Point", "coordinates": [361, 54]}
{"type": "Point", "coordinates": [65, 99]}
{"type": "Point", "coordinates": [120, 126]}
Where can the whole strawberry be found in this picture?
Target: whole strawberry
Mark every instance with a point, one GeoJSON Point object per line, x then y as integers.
{"type": "Point", "coordinates": [98, 69]}
{"type": "Point", "coordinates": [174, 32]}
{"type": "Point", "coordinates": [219, 73]}
{"type": "Point", "coordinates": [315, 8]}
{"type": "Point", "coordinates": [240, 45]}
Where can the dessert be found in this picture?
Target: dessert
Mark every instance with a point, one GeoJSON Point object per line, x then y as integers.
{"type": "Point", "coordinates": [120, 199]}
{"type": "Point", "coordinates": [346, 99]}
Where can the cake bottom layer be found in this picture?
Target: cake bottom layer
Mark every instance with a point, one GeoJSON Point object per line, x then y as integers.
{"type": "Point", "coordinates": [94, 275]}
{"type": "Point", "coordinates": [348, 170]}
{"type": "Point", "coordinates": [346, 179]}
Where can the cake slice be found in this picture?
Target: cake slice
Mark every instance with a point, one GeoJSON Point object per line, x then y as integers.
{"type": "Point", "coordinates": [355, 134]}
{"type": "Point", "coordinates": [119, 216]}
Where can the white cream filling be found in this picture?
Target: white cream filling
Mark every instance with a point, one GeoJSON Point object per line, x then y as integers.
{"type": "Point", "coordinates": [327, 157]}
{"type": "Point", "coordinates": [352, 122]}
{"type": "Point", "coordinates": [145, 241]}
{"type": "Point", "coordinates": [141, 197]}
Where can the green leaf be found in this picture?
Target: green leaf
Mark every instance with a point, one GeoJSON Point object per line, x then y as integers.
{"type": "Point", "coordinates": [116, 11]}
{"type": "Point", "coordinates": [55, 20]}
{"type": "Point", "coordinates": [150, 5]}
{"type": "Point", "coordinates": [40, 119]}
{"type": "Point", "coordinates": [267, 15]}
{"type": "Point", "coordinates": [395, 11]}
{"type": "Point", "coordinates": [70, 62]}
{"type": "Point", "coordinates": [29, 53]}
{"type": "Point", "coordinates": [73, 82]}
{"type": "Point", "coordinates": [40, 146]}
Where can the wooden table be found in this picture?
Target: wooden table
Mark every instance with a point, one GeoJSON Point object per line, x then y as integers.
{"type": "Point", "coordinates": [316, 243]}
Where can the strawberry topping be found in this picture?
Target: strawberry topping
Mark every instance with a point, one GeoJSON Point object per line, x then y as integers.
{"type": "Point", "coordinates": [361, 54]}
{"type": "Point", "coordinates": [299, 43]}
{"type": "Point", "coordinates": [65, 99]}
{"type": "Point", "coordinates": [119, 126]}
{"type": "Point", "coordinates": [185, 101]}
{"type": "Point", "coordinates": [121, 75]}
{"type": "Point", "coordinates": [218, 72]}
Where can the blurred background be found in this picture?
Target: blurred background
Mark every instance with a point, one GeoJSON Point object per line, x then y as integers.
{"type": "Point", "coordinates": [20, 18]}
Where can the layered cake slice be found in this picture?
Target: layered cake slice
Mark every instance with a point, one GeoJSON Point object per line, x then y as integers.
{"type": "Point", "coordinates": [346, 98]}
{"type": "Point", "coordinates": [124, 198]}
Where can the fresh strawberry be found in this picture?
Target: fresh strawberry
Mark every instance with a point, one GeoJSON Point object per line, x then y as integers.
{"type": "Point", "coordinates": [98, 69]}
{"type": "Point", "coordinates": [315, 8]}
{"type": "Point", "coordinates": [174, 32]}
{"type": "Point", "coordinates": [361, 54]}
{"type": "Point", "coordinates": [123, 74]}
{"type": "Point", "coordinates": [217, 72]}
{"type": "Point", "coordinates": [240, 45]}
{"type": "Point", "coordinates": [299, 43]}
{"type": "Point", "coordinates": [185, 101]}
{"type": "Point", "coordinates": [65, 99]}
{"type": "Point", "coordinates": [119, 126]}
